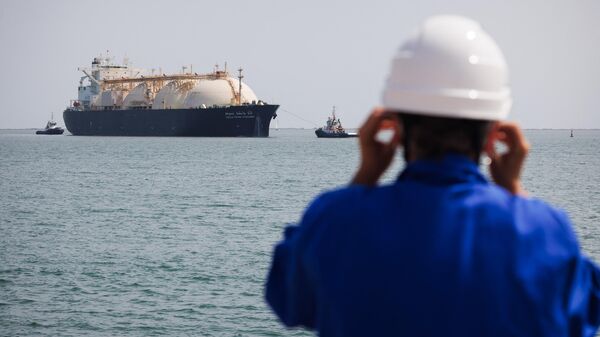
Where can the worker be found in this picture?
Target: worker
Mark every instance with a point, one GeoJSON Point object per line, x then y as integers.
{"type": "Point", "coordinates": [442, 251]}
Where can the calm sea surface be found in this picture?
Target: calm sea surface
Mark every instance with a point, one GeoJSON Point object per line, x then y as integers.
{"type": "Point", "coordinates": [148, 236]}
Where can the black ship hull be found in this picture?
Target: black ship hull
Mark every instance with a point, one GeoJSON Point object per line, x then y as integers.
{"type": "Point", "coordinates": [323, 134]}
{"type": "Point", "coordinates": [56, 131]}
{"type": "Point", "coordinates": [232, 121]}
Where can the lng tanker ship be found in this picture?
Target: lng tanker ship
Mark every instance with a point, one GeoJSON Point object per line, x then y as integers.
{"type": "Point", "coordinates": [119, 100]}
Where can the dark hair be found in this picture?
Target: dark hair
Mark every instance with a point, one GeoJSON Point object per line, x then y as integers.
{"type": "Point", "coordinates": [433, 137]}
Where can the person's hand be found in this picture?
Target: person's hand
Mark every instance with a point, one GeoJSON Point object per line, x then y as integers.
{"type": "Point", "coordinates": [375, 155]}
{"type": "Point", "coordinates": [506, 168]}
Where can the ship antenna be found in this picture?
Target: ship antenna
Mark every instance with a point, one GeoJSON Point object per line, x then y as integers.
{"type": "Point", "coordinates": [240, 86]}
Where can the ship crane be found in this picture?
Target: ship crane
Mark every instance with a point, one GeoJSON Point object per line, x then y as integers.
{"type": "Point", "coordinates": [91, 77]}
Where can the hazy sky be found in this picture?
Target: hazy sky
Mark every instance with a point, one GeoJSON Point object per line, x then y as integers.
{"type": "Point", "coordinates": [304, 55]}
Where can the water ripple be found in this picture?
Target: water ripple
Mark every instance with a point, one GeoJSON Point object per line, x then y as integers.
{"type": "Point", "coordinates": [159, 236]}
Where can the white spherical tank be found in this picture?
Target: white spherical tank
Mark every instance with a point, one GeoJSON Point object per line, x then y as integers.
{"type": "Point", "coordinates": [109, 98]}
{"type": "Point", "coordinates": [217, 92]}
{"type": "Point", "coordinates": [172, 95]}
{"type": "Point", "coordinates": [248, 95]}
{"type": "Point", "coordinates": [138, 97]}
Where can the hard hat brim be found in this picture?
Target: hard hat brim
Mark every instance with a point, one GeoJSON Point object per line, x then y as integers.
{"type": "Point", "coordinates": [451, 103]}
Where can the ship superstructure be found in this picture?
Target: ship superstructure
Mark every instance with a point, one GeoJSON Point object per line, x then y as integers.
{"type": "Point", "coordinates": [112, 96]}
{"type": "Point", "coordinates": [333, 128]}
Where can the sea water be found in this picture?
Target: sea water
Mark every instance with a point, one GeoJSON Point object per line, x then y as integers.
{"type": "Point", "coordinates": [148, 236]}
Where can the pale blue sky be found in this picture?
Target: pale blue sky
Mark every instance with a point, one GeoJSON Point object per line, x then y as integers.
{"type": "Point", "coordinates": [304, 55]}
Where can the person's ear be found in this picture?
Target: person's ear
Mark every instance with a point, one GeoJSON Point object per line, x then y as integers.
{"type": "Point", "coordinates": [396, 126]}
{"type": "Point", "coordinates": [490, 139]}
{"type": "Point", "coordinates": [400, 130]}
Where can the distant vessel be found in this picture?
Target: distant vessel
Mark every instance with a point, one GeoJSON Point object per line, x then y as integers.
{"type": "Point", "coordinates": [333, 128]}
{"type": "Point", "coordinates": [118, 100]}
{"type": "Point", "coordinates": [51, 128]}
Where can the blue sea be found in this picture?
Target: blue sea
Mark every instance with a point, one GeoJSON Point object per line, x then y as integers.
{"type": "Point", "coordinates": [173, 236]}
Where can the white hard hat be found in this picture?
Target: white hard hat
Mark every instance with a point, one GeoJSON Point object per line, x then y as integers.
{"type": "Point", "coordinates": [449, 68]}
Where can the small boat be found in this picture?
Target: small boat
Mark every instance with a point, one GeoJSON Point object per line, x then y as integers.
{"type": "Point", "coordinates": [51, 128]}
{"type": "Point", "coordinates": [333, 129]}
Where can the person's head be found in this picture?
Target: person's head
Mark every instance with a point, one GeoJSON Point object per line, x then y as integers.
{"type": "Point", "coordinates": [449, 84]}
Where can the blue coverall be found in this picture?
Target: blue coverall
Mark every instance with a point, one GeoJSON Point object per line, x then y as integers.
{"type": "Point", "coordinates": [441, 252]}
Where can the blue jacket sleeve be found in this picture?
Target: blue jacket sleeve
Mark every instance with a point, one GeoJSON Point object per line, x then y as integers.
{"type": "Point", "coordinates": [583, 288]}
{"type": "Point", "coordinates": [289, 291]}
{"type": "Point", "coordinates": [290, 288]}
{"type": "Point", "coordinates": [584, 299]}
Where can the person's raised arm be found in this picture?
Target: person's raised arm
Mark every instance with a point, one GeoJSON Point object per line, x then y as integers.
{"type": "Point", "coordinates": [376, 156]}
{"type": "Point", "coordinates": [506, 168]}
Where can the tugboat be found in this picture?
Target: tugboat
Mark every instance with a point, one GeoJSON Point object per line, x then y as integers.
{"type": "Point", "coordinates": [51, 128]}
{"type": "Point", "coordinates": [333, 128]}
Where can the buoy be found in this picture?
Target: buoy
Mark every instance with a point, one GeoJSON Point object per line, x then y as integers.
{"type": "Point", "coordinates": [571, 133]}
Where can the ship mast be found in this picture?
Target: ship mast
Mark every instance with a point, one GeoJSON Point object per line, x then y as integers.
{"type": "Point", "coordinates": [240, 86]}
